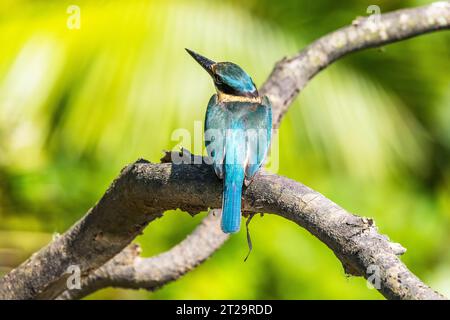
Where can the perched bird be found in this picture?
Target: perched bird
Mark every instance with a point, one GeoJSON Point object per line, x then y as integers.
{"type": "Point", "coordinates": [238, 127]}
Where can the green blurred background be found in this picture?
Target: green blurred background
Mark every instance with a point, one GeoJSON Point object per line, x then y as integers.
{"type": "Point", "coordinates": [372, 132]}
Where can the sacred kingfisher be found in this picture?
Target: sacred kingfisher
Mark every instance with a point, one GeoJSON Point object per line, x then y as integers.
{"type": "Point", "coordinates": [238, 129]}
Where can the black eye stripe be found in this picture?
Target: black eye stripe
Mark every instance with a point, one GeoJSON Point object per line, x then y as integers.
{"type": "Point", "coordinates": [226, 89]}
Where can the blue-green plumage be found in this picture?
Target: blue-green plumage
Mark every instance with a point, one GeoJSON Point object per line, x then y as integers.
{"type": "Point", "coordinates": [238, 127]}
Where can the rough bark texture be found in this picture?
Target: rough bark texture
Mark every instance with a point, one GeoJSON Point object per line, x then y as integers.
{"type": "Point", "coordinates": [291, 75]}
{"type": "Point", "coordinates": [143, 191]}
{"type": "Point", "coordinates": [129, 270]}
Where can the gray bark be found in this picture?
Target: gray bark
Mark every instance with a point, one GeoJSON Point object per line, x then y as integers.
{"type": "Point", "coordinates": [129, 270]}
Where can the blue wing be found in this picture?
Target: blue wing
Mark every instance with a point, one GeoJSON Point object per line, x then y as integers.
{"type": "Point", "coordinates": [255, 118]}
{"type": "Point", "coordinates": [259, 135]}
{"type": "Point", "coordinates": [216, 122]}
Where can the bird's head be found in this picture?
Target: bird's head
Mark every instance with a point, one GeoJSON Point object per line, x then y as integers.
{"type": "Point", "coordinates": [228, 77]}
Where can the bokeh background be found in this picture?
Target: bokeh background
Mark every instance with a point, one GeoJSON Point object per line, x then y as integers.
{"type": "Point", "coordinates": [372, 132]}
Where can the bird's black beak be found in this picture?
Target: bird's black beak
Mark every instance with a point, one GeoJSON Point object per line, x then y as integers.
{"type": "Point", "coordinates": [203, 61]}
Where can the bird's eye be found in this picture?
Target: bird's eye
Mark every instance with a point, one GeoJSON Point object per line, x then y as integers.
{"type": "Point", "coordinates": [217, 80]}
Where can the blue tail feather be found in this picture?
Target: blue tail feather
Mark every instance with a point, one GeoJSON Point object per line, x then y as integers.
{"type": "Point", "coordinates": [232, 190]}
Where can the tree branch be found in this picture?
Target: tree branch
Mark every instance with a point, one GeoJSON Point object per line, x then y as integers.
{"type": "Point", "coordinates": [353, 239]}
{"type": "Point", "coordinates": [129, 270]}
{"type": "Point", "coordinates": [144, 190]}
{"type": "Point", "coordinates": [291, 75]}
